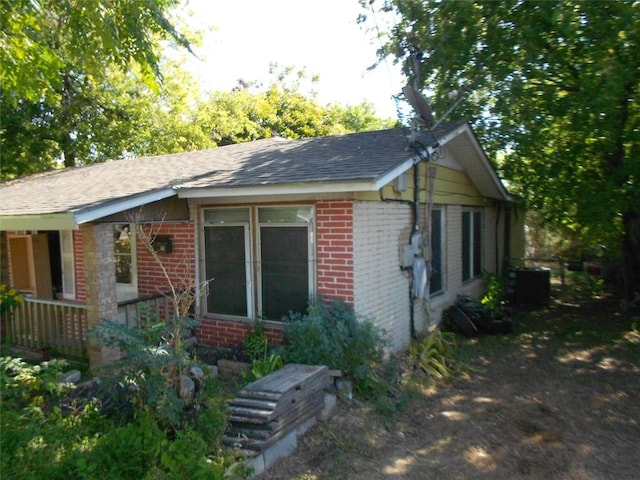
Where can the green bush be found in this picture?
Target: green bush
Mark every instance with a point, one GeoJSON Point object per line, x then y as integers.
{"type": "Point", "coordinates": [494, 295]}
{"type": "Point", "coordinates": [333, 335]}
{"type": "Point", "coordinates": [133, 424]}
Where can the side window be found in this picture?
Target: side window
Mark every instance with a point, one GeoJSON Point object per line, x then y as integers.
{"type": "Point", "coordinates": [437, 251]}
{"type": "Point", "coordinates": [471, 244]}
{"type": "Point", "coordinates": [124, 246]}
{"type": "Point", "coordinates": [67, 264]}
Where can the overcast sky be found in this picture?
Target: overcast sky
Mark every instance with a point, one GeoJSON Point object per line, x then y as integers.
{"type": "Point", "coordinates": [320, 35]}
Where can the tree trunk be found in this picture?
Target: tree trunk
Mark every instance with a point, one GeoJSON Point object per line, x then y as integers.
{"type": "Point", "coordinates": [66, 142]}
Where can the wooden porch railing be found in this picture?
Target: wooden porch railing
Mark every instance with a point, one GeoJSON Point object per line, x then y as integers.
{"type": "Point", "coordinates": [159, 306]}
{"type": "Point", "coordinates": [61, 326]}
{"type": "Point", "coordinates": [49, 324]}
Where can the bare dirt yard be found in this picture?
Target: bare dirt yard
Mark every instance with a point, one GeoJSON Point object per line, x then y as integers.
{"type": "Point", "coordinates": [559, 398]}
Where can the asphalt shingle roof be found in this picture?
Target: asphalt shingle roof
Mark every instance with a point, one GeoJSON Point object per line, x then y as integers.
{"type": "Point", "coordinates": [354, 157]}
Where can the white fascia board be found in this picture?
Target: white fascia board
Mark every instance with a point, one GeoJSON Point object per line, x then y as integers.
{"type": "Point", "coordinates": [49, 221]}
{"type": "Point", "coordinates": [396, 172]}
{"type": "Point", "coordinates": [282, 189]}
{"type": "Point", "coordinates": [92, 214]}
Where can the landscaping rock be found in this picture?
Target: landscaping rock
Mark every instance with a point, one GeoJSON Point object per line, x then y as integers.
{"type": "Point", "coordinates": [72, 376]}
{"type": "Point", "coordinates": [187, 388]}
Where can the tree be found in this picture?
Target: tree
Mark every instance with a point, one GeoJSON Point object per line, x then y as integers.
{"type": "Point", "coordinates": [554, 87]}
{"type": "Point", "coordinates": [285, 107]}
{"type": "Point", "coordinates": [57, 58]}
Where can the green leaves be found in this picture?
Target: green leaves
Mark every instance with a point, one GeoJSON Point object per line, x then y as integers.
{"type": "Point", "coordinates": [553, 90]}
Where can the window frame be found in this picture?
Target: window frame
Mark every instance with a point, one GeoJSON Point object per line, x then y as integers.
{"type": "Point", "coordinates": [248, 251]}
{"type": "Point", "coordinates": [67, 257]}
{"type": "Point", "coordinates": [441, 249]}
{"type": "Point", "coordinates": [253, 254]}
{"type": "Point", "coordinates": [472, 246]}
{"type": "Point", "coordinates": [128, 291]}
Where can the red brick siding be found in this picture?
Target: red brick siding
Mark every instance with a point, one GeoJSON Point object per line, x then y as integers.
{"type": "Point", "coordinates": [179, 265]}
{"type": "Point", "coordinates": [227, 333]}
{"type": "Point", "coordinates": [78, 257]}
{"type": "Point", "coordinates": [334, 236]}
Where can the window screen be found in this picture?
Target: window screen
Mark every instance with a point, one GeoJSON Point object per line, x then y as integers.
{"type": "Point", "coordinates": [435, 284]}
{"type": "Point", "coordinates": [226, 265]}
{"type": "Point", "coordinates": [284, 255]}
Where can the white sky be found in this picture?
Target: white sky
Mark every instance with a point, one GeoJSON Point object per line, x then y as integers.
{"type": "Point", "coordinates": [321, 36]}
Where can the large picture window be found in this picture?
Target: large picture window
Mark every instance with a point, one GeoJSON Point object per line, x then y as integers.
{"type": "Point", "coordinates": [266, 247]}
{"type": "Point", "coordinates": [471, 244]}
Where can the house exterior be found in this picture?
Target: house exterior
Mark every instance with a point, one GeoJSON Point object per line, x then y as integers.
{"type": "Point", "coordinates": [394, 222]}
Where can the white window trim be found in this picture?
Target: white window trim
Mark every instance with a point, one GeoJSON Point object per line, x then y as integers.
{"type": "Point", "coordinates": [129, 291]}
{"type": "Point", "coordinates": [443, 253]}
{"type": "Point", "coordinates": [252, 249]}
{"type": "Point", "coordinates": [471, 274]}
{"type": "Point", "coordinates": [67, 256]}
{"type": "Point", "coordinates": [248, 263]}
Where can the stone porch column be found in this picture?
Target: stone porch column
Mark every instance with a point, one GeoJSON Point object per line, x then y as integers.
{"type": "Point", "coordinates": [100, 275]}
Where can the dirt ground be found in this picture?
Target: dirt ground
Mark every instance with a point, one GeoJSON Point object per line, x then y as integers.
{"type": "Point", "coordinates": [559, 398]}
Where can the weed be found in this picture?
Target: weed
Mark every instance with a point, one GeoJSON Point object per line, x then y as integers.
{"type": "Point", "coordinates": [435, 356]}
{"type": "Point", "coordinates": [257, 348]}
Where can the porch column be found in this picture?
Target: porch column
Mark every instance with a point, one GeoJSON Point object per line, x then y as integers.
{"type": "Point", "coordinates": [100, 275]}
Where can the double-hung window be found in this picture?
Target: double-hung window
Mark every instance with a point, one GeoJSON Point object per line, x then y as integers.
{"type": "Point", "coordinates": [471, 244]}
{"type": "Point", "coordinates": [124, 246]}
{"type": "Point", "coordinates": [437, 251]}
{"type": "Point", "coordinates": [259, 261]}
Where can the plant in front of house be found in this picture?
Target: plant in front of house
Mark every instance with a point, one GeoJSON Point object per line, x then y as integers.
{"type": "Point", "coordinates": [494, 296]}
{"type": "Point", "coordinates": [264, 360]}
{"type": "Point", "coordinates": [436, 355]}
{"type": "Point", "coordinates": [56, 431]}
{"type": "Point", "coordinates": [333, 335]}
{"type": "Point", "coordinates": [10, 299]}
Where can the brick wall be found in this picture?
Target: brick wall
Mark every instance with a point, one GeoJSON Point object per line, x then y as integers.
{"type": "Point", "coordinates": [334, 236]}
{"type": "Point", "coordinates": [228, 333]}
{"type": "Point", "coordinates": [78, 257]}
{"type": "Point", "coordinates": [100, 286]}
{"type": "Point", "coordinates": [382, 289]}
{"type": "Point", "coordinates": [179, 264]}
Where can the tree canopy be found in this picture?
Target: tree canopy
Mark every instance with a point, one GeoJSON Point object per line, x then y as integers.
{"type": "Point", "coordinates": [553, 88]}
{"type": "Point", "coordinates": [44, 42]}
{"type": "Point", "coordinates": [84, 81]}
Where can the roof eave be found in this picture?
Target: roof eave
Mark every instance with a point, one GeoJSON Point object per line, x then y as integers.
{"type": "Point", "coordinates": [311, 188]}
{"type": "Point", "coordinates": [47, 221]}
{"type": "Point", "coordinates": [500, 192]}
{"type": "Point", "coordinates": [120, 205]}
{"type": "Point", "coordinates": [72, 219]}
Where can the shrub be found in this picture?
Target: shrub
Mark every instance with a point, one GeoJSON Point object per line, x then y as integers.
{"type": "Point", "coordinates": [133, 425]}
{"type": "Point", "coordinates": [10, 299]}
{"type": "Point", "coordinates": [333, 335]}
